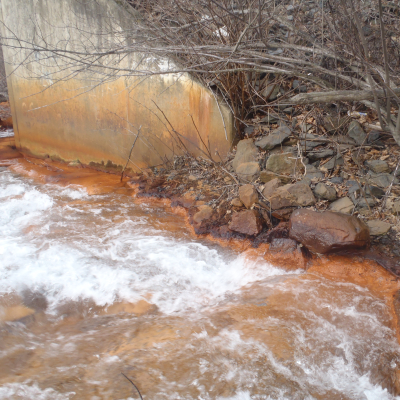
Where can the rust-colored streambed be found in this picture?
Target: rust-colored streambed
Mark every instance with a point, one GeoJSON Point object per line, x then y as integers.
{"type": "Point", "coordinates": [94, 283]}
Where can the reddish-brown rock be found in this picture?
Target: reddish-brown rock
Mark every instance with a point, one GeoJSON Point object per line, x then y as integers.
{"type": "Point", "coordinates": [204, 213]}
{"type": "Point", "coordinates": [283, 214]}
{"type": "Point", "coordinates": [328, 231]}
{"type": "Point", "coordinates": [248, 195]}
{"type": "Point", "coordinates": [270, 188]}
{"type": "Point", "coordinates": [246, 222]}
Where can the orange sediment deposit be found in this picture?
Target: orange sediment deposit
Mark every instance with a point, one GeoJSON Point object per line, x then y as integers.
{"type": "Point", "coordinates": [8, 150]}
{"type": "Point", "coordinates": [48, 171]}
{"type": "Point", "coordinates": [365, 273]}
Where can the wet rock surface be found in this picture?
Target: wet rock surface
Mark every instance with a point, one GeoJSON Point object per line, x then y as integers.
{"type": "Point", "coordinates": [328, 232]}
{"type": "Point", "coordinates": [275, 138]}
{"type": "Point", "coordinates": [246, 222]}
{"type": "Point", "coordinates": [248, 195]}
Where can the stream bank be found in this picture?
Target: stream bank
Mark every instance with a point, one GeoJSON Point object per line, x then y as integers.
{"type": "Point", "coordinates": [101, 277]}
{"type": "Point", "coordinates": [375, 268]}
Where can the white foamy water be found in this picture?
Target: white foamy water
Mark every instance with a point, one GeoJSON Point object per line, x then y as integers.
{"type": "Point", "coordinates": [30, 391]}
{"type": "Point", "coordinates": [313, 339]}
{"type": "Point", "coordinates": [76, 251]}
{"type": "Point", "coordinates": [7, 133]}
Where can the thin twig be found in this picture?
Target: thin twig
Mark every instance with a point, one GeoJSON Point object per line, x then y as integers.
{"type": "Point", "coordinates": [130, 153]}
{"type": "Point", "coordinates": [133, 385]}
{"type": "Point", "coordinates": [390, 186]}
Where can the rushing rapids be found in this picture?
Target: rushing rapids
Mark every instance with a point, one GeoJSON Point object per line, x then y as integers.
{"type": "Point", "coordinates": [95, 285]}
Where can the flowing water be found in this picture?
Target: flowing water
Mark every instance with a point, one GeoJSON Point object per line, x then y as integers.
{"type": "Point", "coordinates": [92, 286]}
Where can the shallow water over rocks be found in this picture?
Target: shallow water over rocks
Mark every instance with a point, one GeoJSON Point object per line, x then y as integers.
{"type": "Point", "coordinates": [92, 286]}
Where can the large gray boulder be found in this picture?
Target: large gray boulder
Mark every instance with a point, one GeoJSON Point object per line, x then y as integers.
{"type": "Point", "coordinates": [356, 132]}
{"type": "Point", "coordinates": [378, 166]}
{"type": "Point", "coordinates": [328, 232]}
{"type": "Point", "coordinates": [382, 180]}
{"type": "Point", "coordinates": [378, 228]}
{"type": "Point", "coordinates": [248, 171]}
{"type": "Point", "coordinates": [292, 195]}
{"type": "Point", "coordinates": [325, 192]}
{"type": "Point", "coordinates": [275, 138]}
{"type": "Point", "coordinates": [282, 164]}
{"type": "Point", "coordinates": [246, 152]}
{"type": "Point", "coordinates": [309, 141]}
{"type": "Point", "coordinates": [343, 205]}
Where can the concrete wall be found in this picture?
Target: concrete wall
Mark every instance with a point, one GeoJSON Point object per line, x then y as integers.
{"type": "Point", "coordinates": [64, 112]}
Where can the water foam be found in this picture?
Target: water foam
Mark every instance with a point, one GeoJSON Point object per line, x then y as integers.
{"type": "Point", "coordinates": [25, 391]}
{"type": "Point", "coordinates": [78, 251]}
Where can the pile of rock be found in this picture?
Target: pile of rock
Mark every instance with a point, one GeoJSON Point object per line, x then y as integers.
{"type": "Point", "coordinates": [287, 170]}
{"type": "Point", "coordinates": [339, 183]}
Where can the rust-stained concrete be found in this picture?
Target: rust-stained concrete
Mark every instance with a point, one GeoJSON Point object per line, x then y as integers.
{"type": "Point", "coordinates": [82, 118]}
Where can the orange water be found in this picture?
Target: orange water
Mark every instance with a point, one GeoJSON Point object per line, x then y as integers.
{"type": "Point", "coordinates": [92, 285]}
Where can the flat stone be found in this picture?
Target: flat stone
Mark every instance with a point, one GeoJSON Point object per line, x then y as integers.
{"type": "Point", "coordinates": [355, 189]}
{"type": "Point", "coordinates": [377, 227]}
{"type": "Point", "coordinates": [275, 138]}
{"type": "Point", "coordinates": [367, 202]}
{"type": "Point", "coordinates": [288, 110]}
{"type": "Point", "coordinates": [270, 187]}
{"type": "Point", "coordinates": [271, 92]}
{"type": "Point", "coordinates": [319, 154]}
{"type": "Point", "coordinates": [356, 132]}
{"type": "Point", "coordinates": [283, 149]}
{"type": "Point", "coordinates": [382, 180]}
{"type": "Point", "coordinates": [246, 222]}
{"type": "Point", "coordinates": [374, 191]}
{"type": "Point", "coordinates": [249, 171]}
{"type": "Point", "coordinates": [281, 164]}
{"type": "Point", "coordinates": [373, 136]}
{"type": "Point", "coordinates": [337, 180]}
{"type": "Point", "coordinates": [313, 173]}
{"type": "Point", "coordinates": [292, 195]}
{"type": "Point", "coordinates": [350, 183]}
{"type": "Point", "coordinates": [343, 205]}
{"type": "Point", "coordinates": [266, 176]}
{"type": "Point", "coordinates": [310, 141]}
{"type": "Point", "coordinates": [236, 202]}
{"type": "Point", "coordinates": [325, 192]}
{"type": "Point", "coordinates": [333, 162]}
{"type": "Point", "coordinates": [396, 208]}
{"type": "Point", "coordinates": [328, 232]}
{"type": "Point", "coordinates": [248, 195]}
{"type": "Point", "coordinates": [249, 130]}
{"type": "Point", "coordinates": [332, 124]}
{"type": "Point", "coordinates": [246, 152]}
{"type": "Point", "coordinates": [378, 166]}
{"type": "Point", "coordinates": [203, 214]}
{"type": "Point", "coordinates": [270, 119]}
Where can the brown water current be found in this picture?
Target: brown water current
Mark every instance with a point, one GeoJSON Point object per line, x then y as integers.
{"type": "Point", "coordinates": [95, 283]}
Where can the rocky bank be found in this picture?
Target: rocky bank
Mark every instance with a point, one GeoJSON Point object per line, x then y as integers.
{"type": "Point", "coordinates": [296, 186]}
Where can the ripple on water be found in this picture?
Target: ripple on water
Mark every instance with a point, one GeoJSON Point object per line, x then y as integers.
{"type": "Point", "coordinates": [220, 325]}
